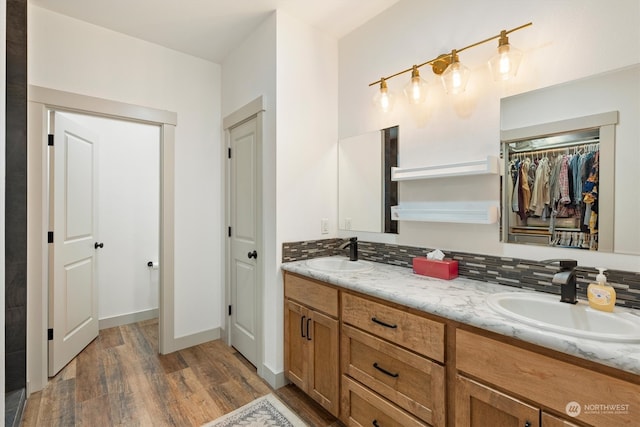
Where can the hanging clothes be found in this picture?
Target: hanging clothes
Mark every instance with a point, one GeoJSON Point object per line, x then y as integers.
{"type": "Point", "coordinates": [590, 193]}
{"type": "Point", "coordinates": [540, 195]}
{"type": "Point", "coordinates": [524, 191]}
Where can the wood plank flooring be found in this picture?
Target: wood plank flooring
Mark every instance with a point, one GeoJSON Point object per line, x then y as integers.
{"type": "Point", "coordinates": [121, 380]}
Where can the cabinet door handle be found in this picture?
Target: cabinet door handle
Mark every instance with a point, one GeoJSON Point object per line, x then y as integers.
{"type": "Point", "coordinates": [375, 423]}
{"type": "Point", "coordinates": [302, 326]}
{"type": "Point", "coordinates": [308, 331]}
{"type": "Point", "coordinates": [380, 322]}
{"type": "Point", "coordinates": [527, 424]}
{"type": "Point", "coordinates": [384, 371]}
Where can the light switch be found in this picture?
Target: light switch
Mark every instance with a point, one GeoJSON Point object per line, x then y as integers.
{"type": "Point", "coordinates": [324, 226]}
{"type": "Point", "coordinates": [347, 223]}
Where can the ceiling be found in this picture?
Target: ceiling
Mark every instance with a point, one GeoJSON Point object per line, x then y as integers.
{"type": "Point", "coordinates": [210, 29]}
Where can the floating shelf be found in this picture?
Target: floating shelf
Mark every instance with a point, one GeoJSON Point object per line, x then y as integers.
{"type": "Point", "coordinates": [484, 212]}
{"type": "Point", "coordinates": [488, 166]}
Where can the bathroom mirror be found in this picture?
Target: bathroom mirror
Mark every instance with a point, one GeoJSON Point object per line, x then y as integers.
{"type": "Point", "coordinates": [365, 190]}
{"type": "Point", "coordinates": [578, 122]}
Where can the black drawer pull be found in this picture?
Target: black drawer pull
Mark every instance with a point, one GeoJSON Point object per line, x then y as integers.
{"type": "Point", "coordinates": [375, 423]}
{"type": "Point", "coordinates": [308, 331]}
{"type": "Point", "coordinates": [380, 322]}
{"type": "Point", "coordinates": [384, 371]}
{"type": "Point", "coordinates": [302, 326]}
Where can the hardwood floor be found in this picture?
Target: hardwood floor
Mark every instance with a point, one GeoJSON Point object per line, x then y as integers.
{"type": "Point", "coordinates": [121, 380]}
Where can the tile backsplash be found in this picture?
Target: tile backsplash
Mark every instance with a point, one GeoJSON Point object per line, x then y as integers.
{"type": "Point", "coordinates": [520, 273]}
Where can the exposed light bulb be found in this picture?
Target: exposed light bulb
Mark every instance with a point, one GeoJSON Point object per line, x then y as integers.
{"type": "Point", "coordinates": [456, 76]}
{"type": "Point", "coordinates": [416, 89]}
{"type": "Point", "coordinates": [384, 99]}
{"type": "Point", "coordinates": [504, 65]}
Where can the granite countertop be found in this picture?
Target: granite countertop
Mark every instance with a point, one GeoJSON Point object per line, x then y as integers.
{"type": "Point", "coordinates": [464, 300]}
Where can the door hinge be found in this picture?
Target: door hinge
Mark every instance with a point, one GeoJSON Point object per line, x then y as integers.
{"type": "Point", "coordinates": [229, 310]}
{"type": "Point", "coordinates": [50, 140]}
{"type": "Point", "coordinates": [50, 334]}
{"type": "Point", "coordinates": [229, 231]}
{"type": "Point", "coordinates": [229, 152]}
{"type": "Point", "coordinates": [50, 237]}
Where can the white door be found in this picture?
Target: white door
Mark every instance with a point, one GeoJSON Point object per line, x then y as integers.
{"type": "Point", "coordinates": [245, 257]}
{"type": "Point", "coordinates": [73, 297]}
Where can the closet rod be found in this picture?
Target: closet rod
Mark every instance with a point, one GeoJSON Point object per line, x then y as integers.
{"type": "Point", "coordinates": [555, 146]}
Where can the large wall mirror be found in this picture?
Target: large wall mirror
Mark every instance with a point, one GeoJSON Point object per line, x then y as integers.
{"type": "Point", "coordinates": [365, 190]}
{"type": "Point", "coordinates": [569, 154]}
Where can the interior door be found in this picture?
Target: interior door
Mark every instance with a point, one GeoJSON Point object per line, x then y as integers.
{"type": "Point", "coordinates": [245, 258]}
{"type": "Point", "coordinates": [73, 294]}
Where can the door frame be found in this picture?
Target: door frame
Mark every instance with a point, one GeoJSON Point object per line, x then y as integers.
{"type": "Point", "coordinates": [253, 109]}
{"type": "Point", "coordinates": [40, 101]}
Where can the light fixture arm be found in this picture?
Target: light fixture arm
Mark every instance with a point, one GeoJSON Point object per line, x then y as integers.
{"type": "Point", "coordinates": [441, 62]}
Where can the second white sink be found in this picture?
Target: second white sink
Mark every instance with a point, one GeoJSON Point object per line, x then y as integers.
{"type": "Point", "coordinates": [339, 265]}
{"type": "Point", "coordinates": [579, 320]}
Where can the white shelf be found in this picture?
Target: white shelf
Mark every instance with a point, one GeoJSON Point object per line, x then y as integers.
{"type": "Point", "coordinates": [484, 212]}
{"type": "Point", "coordinates": [488, 166]}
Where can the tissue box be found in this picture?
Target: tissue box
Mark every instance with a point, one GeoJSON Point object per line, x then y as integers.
{"type": "Point", "coordinates": [446, 269]}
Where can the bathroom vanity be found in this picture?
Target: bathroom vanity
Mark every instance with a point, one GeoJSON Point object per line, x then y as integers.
{"type": "Point", "coordinates": [386, 347]}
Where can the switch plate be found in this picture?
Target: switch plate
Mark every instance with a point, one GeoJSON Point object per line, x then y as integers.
{"type": "Point", "coordinates": [347, 223]}
{"type": "Point", "coordinates": [324, 226]}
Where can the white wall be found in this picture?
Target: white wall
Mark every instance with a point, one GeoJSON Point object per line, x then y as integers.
{"type": "Point", "coordinates": [307, 168]}
{"type": "Point", "coordinates": [74, 56]}
{"type": "Point", "coordinates": [128, 212]}
{"type": "Point", "coordinates": [568, 40]}
{"type": "Point", "coordinates": [290, 61]}
{"type": "Point", "coordinates": [3, 82]}
{"type": "Point", "coordinates": [248, 73]}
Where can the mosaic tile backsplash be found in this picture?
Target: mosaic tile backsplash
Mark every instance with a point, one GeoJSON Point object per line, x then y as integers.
{"type": "Point", "coordinates": [520, 273]}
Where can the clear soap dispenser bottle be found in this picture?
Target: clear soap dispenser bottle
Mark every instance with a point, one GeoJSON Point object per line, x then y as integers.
{"type": "Point", "coordinates": [601, 295]}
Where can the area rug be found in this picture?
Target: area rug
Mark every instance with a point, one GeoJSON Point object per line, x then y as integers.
{"type": "Point", "coordinates": [265, 411]}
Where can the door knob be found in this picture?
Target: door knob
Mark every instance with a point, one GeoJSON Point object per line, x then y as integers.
{"type": "Point", "coordinates": [97, 245]}
{"type": "Point", "coordinates": [253, 254]}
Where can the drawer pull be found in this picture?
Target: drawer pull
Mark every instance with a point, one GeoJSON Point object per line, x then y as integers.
{"type": "Point", "coordinates": [375, 423]}
{"type": "Point", "coordinates": [380, 322]}
{"type": "Point", "coordinates": [384, 371]}
{"type": "Point", "coordinates": [527, 424]}
{"type": "Point", "coordinates": [302, 326]}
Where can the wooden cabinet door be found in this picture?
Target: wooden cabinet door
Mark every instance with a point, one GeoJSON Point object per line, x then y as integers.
{"type": "Point", "coordinates": [311, 354]}
{"type": "Point", "coordinates": [324, 375]}
{"type": "Point", "coordinates": [479, 406]}
{"type": "Point", "coordinates": [296, 359]}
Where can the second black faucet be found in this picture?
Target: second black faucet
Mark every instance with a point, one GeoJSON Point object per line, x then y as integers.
{"type": "Point", "coordinates": [353, 248]}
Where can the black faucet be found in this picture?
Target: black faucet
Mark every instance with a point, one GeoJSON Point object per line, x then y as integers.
{"type": "Point", "coordinates": [566, 278]}
{"type": "Point", "coordinates": [353, 248]}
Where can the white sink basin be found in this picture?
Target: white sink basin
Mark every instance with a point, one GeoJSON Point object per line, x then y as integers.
{"type": "Point", "coordinates": [579, 320]}
{"type": "Point", "coordinates": [339, 265]}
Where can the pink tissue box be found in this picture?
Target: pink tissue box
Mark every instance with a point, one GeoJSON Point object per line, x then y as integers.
{"type": "Point", "coordinates": [446, 269]}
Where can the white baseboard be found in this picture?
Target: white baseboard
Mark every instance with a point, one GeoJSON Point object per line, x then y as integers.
{"type": "Point", "coordinates": [275, 380]}
{"type": "Point", "coordinates": [125, 319]}
{"type": "Point", "coordinates": [195, 339]}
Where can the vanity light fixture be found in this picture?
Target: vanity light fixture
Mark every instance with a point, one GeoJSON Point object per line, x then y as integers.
{"type": "Point", "coordinates": [454, 74]}
{"type": "Point", "coordinates": [416, 89]}
{"type": "Point", "coordinates": [504, 65]}
{"type": "Point", "coordinates": [383, 98]}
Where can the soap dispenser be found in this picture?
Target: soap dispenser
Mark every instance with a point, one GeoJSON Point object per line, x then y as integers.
{"type": "Point", "coordinates": [601, 295]}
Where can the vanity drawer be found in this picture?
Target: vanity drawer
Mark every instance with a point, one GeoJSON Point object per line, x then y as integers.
{"type": "Point", "coordinates": [311, 293]}
{"type": "Point", "coordinates": [412, 382]}
{"type": "Point", "coordinates": [414, 332]}
{"type": "Point", "coordinates": [547, 381]}
{"type": "Point", "coordinates": [361, 407]}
